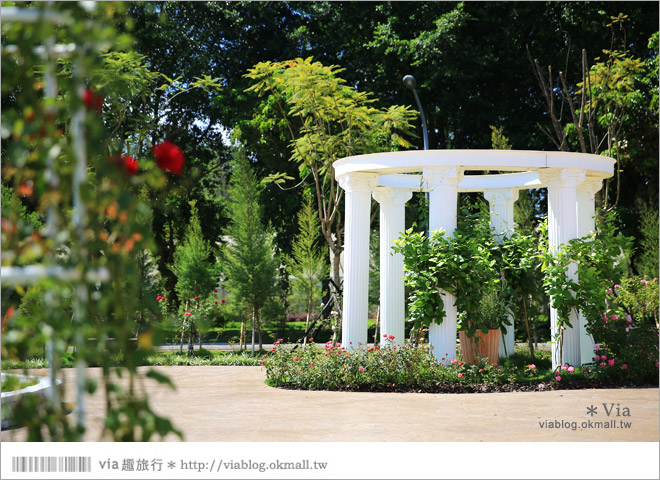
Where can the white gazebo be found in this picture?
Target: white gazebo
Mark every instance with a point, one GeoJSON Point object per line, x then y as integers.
{"type": "Point", "coordinates": [572, 180]}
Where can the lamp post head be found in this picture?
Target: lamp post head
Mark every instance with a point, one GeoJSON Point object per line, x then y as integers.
{"type": "Point", "coordinates": [410, 82]}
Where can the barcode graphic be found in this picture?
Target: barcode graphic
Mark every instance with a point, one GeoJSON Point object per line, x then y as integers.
{"type": "Point", "coordinates": [51, 464]}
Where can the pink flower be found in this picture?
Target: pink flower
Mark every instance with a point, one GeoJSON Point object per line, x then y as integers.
{"type": "Point", "coordinates": [460, 375]}
{"type": "Point", "coordinates": [564, 367]}
{"type": "Point", "coordinates": [624, 367]}
{"type": "Point", "coordinates": [611, 362]}
{"type": "Point", "coordinates": [605, 319]}
{"type": "Point", "coordinates": [360, 369]}
{"type": "Point", "coordinates": [571, 368]}
{"type": "Point", "coordinates": [391, 337]}
{"type": "Point", "coordinates": [602, 364]}
{"type": "Point", "coordinates": [481, 370]}
{"type": "Point", "coordinates": [187, 314]}
{"type": "Point", "coordinates": [617, 286]}
{"type": "Point", "coordinates": [558, 378]}
{"type": "Point", "coordinates": [461, 362]}
{"type": "Point", "coordinates": [454, 361]}
{"type": "Point", "coordinates": [311, 363]}
{"type": "Point", "coordinates": [628, 319]}
{"type": "Point", "coordinates": [169, 157]}
{"type": "Point", "coordinates": [499, 369]}
{"type": "Point", "coordinates": [585, 368]}
{"type": "Point", "coordinates": [494, 364]}
{"type": "Point", "coordinates": [295, 359]}
{"type": "Point", "coordinates": [311, 339]}
{"type": "Point", "coordinates": [597, 358]}
{"type": "Point", "coordinates": [532, 366]}
{"type": "Point", "coordinates": [596, 347]}
{"type": "Point", "coordinates": [656, 363]}
{"type": "Point", "coordinates": [603, 357]}
{"type": "Point", "coordinates": [655, 280]}
{"type": "Point", "coordinates": [384, 335]}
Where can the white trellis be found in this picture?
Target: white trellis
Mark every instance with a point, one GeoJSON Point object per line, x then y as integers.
{"type": "Point", "coordinates": [572, 179]}
{"type": "Point", "coordinates": [31, 274]}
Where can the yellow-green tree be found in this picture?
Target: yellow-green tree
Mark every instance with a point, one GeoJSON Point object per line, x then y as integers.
{"type": "Point", "coordinates": [327, 120]}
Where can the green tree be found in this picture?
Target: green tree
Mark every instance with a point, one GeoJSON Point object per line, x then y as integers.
{"type": "Point", "coordinates": [308, 263]}
{"type": "Point", "coordinates": [327, 120]}
{"type": "Point", "coordinates": [647, 259]}
{"type": "Point", "coordinates": [195, 272]}
{"type": "Point", "coordinates": [249, 258]}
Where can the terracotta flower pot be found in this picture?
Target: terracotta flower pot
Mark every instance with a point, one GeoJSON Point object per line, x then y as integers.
{"type": "Point", "coordinates": [486, 346]}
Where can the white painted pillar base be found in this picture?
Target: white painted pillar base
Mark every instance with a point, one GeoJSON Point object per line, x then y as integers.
{"type": "Point", "coordinates": [501, 220]}
{"type": "Point", "coordinates": [358, 188]}
{"type": "Point", "coordinates": [586, 206]}
{"type": "Point", "coordinates": [443, 201]}
{"type": "Point", "coordinates": [392, 295]}
{"type": "Point", "coordinates": [563, 227]}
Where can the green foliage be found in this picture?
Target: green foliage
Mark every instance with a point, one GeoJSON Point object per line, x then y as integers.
{"type": "Point", "coordinates": [626, 335]}
{"type": "Point", "coordinates": [308, 263]}
{"type": "Point", "coordinates": [649, 244]}
{"type": "Point", "coordinates": [498, 140]}
{"type": "Point", "coordinates": [57, 149]}
{"type": "Point", "coordinates": [577, 276]}
{"type": "Point", "coordinates": [250, 263]}
{"type": "Point", "coordinates": [465, 265]}
{"type": "Point", "coordinates": [16, 213]}
{"type": "Point", "coordinates": [326, 120]}
{"type": "Point", "coordinates": [195, 273]}
{"type": "Point", "coordinates": [408, 368]}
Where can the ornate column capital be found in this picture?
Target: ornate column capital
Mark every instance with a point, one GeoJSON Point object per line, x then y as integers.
{"type": "Point", "coordinates": [562, 177]}
{"type": "Point", "coordinates": [501, 196]}
{"type": "Point", "coordinates": [391, 196]}
{"type": "Point", "coordinates": [358, 181]}
{"type": "Point", "coordinates": [590, 187]}
{"type": "Point", "coordinates": [442, 176]}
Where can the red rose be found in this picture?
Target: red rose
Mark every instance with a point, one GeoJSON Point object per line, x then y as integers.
{"type": "Point", "coordinates": [169, 157]}
{"type": "Point", "coordinates": [130, 164]}
{"type": "Point", "coordinates": [93, 100]}
{"type": "Point", "coordinates": [223, 301]}
{"type": "Point", "coordinates": [196, 298]}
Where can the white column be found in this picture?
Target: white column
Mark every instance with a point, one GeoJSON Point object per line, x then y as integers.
{"type": "Point", "coordinates": [392, 297]}
{"type": "Point", "coordinates": [586, 224]}
{"type": "Point", "coordinates": [443, 198]}
{"type": "Point", "coordinates": [358, 187]}
{"type": "Point", "coordinates": [501, 220]}
{"type": "Point", "coordinates": [563, 227]}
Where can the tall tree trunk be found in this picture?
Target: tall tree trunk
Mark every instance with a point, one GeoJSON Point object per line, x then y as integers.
{"type": "Point", "coordinates": [241, 338]}
{"type": "Point", "coordinates": [181, 343]}
{"type": "Point", "coordinates": [253, 319]}
{"type": "Point", "coordinates": [309, 314]}
{"type": "Point", "coordinates": [259, 331]}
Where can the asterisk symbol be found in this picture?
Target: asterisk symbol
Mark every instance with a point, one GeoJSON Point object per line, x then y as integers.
{"type": "Point", "coordinates": [171, 464]}
{"type": "Point", "coordinates": [592, 410]}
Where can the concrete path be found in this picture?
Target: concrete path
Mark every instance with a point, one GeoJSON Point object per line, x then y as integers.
{"type": "Point", "coordinates": [229, 404]}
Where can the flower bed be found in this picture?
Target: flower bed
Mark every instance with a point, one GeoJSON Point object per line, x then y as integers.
{"type": "Point", "coordinates": [415, 369]}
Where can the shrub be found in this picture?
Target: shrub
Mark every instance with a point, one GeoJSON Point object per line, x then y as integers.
{"type": "Point", "coordinates": [627, 333]}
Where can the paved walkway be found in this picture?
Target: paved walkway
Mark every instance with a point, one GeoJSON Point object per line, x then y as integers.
{"type": "Point", "coordinates": [229, 404]}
